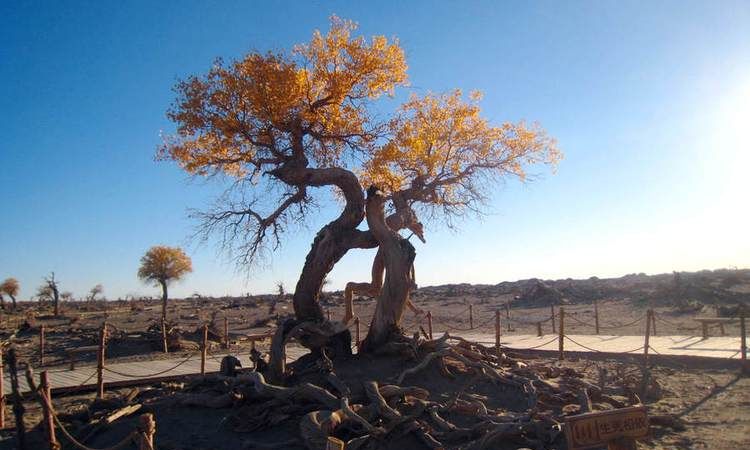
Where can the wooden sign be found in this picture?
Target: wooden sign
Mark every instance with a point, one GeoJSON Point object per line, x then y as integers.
{"type": "Point", "coordinates": [612, 428]}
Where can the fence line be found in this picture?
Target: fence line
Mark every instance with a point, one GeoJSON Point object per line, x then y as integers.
{"type": "Point", "coordinates": [418, 321]}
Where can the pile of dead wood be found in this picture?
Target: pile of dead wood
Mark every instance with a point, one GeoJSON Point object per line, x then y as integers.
{"type": "Point", "coordinates": [493, 400]}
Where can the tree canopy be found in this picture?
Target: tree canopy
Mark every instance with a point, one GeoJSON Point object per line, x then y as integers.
{"type": "Point", "coordinates": [10, 286]}
{"type": "Point", "coordinates": [162, 264]}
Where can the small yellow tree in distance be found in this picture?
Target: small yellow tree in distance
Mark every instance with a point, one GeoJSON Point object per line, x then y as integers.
{"type": "Point", "coordinates": [10, 287]}
{"type": "Point", "coordinates": [161, 265]}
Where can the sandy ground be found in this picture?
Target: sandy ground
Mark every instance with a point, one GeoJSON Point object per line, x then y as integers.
{"type": "Point", "coordinates": [714, 403]}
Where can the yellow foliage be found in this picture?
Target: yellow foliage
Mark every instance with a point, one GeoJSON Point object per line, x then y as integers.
{"type": "Point", "coordinates": [162, 264]}
{"type": "Point", "coordinates": [441, 145]}
{"type": "Point", "coordinates": [264, 107]}
{"type": "Point", "coordinates": [10, 287]}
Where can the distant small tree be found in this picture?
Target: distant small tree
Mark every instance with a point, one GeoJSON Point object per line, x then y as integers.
{"type": "Point", "coordinates": [10, 287]}
{"type": "Point", "coordinates": [53, 291]}
{"type": "Point", "coordinates": [66, 296]}
{"type": "Point", "coordinates": [161, 265]}
{"type": "Point", "coordinates": [280, 289]}
{"type": "Point", "coordinates": [96, 290]}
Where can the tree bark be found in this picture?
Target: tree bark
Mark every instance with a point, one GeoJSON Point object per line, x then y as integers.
{"type": "Point", "coordinates": [163, 299]}
{"type": "Point", "coordinates": [13, 298]}
{"type": "Point", "coordinates": [331, 242]}
{"type": "Point", "coordinates": [398, 257]}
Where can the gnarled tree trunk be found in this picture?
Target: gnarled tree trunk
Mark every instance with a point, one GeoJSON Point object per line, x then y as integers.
{"type": "Point", "coordinates": [329, 246]}
{"type": "Point", "coordinates": [398, 257]}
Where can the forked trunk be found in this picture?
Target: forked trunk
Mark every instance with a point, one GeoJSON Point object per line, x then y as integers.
{"type": "Point", "coordinates": [398, 257]}
{"type": "Point", "coordinates": [163, 300]}
{"type": "Point", "coordinates": [57, 302]}
{"type": "Point", "coordinates": [13, 298]}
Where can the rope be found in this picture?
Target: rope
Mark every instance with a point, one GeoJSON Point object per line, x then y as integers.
{"type": "Point", "coordinates": [48, 404]}
{"type": "Point", "coordinates": [153, 374]}
{"type": "Point", "coordinates": [574, 319]}
{"type": "Point", "coordinates": [674, 324]}
{"type": "Point", "coordinates": [528, 322]}
{"type": "Point", "coordinates": [535, 347]}
{"type": "Point", "coordinates": [87, 379]}
{"type": "Point", "coordinates": [600, 351]}
{"type": "Point", "coordinates": [581, 345]}
{"type": "Point", "coordinates": [623, 325]}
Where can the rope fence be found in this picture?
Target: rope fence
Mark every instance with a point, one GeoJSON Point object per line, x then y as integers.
{"type": "Point", "coordinates": [417, 323]}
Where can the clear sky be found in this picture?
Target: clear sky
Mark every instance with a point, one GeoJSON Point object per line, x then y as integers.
{"type": "Point", "coordinates": [650, 102]}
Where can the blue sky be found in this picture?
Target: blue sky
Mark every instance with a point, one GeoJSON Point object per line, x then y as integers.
{"type": "Point", "coordinates": [650, 102]}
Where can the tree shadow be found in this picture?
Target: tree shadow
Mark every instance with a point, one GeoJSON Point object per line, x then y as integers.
{"type": "Point", "coordinates": [714, 392]}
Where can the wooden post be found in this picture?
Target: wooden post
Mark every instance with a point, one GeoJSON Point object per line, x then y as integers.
{"type": "Point", "coordinates": [649, 315]}
{"type": "Point", "coordinates": [100, 362]}
{"type": "Point", "coordinates": [2, 392]}
{"type": "Point", "coordinates": [552, 317]}
{"type": "Point", "coordinates": [497, 331]}
{"type": "Point", "coordinates": [653, 323]}
{"type": "Point", "coordinates": [18, 409]}
{"type": "Point", "coordinates": [226, 332]}
{"type": "Point", "coordinates": [41, 345]}
{"type": "Point", "coordinates": [471, 316]}
{"type": "Point", "coordinates": [356, 332]}
{"type": "Point", "coordinates": [596, 315]}
{"type": "Point", "coordinates": [164, 335]}
{"type": "Point", "coordinates": [539, 329]}
{"type": "Point", "coordinates": [49, 424]}
{"type": "Point", "coordinates": [429, 323]}
{"type": "Point", "coordinates": [743, 342]}
{"type": "Point", "coordinates": [705, 329]}
{"type": "Point", "coordinates": [204, 349]}
{"type": "Point", "coordinates": [561, 334]}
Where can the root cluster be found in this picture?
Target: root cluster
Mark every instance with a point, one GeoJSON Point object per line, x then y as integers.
{"type": "Point", "coordinates": [367, 414]}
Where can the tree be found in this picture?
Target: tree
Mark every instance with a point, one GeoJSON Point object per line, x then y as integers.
{"type": "Point", "coordinates": [96, 290]}
{"type": "Point", "coordinates": [66, 296]}
{"type": "Point", "coordinates": [49, 291]}
{"type": "Point", "coordinates": [10, 287]}
{"type": "Point", "coordinates": [161, 265]}
{"type": "Point", "coordinates": [282, 124]}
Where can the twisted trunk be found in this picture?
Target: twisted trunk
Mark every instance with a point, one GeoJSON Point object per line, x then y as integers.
{"type": "Point", "coordinates": [398, 257]}
{"type": "Point", "coordinates": [329, 246]}
{"type": "Point", "coordinates": [331, 242]}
